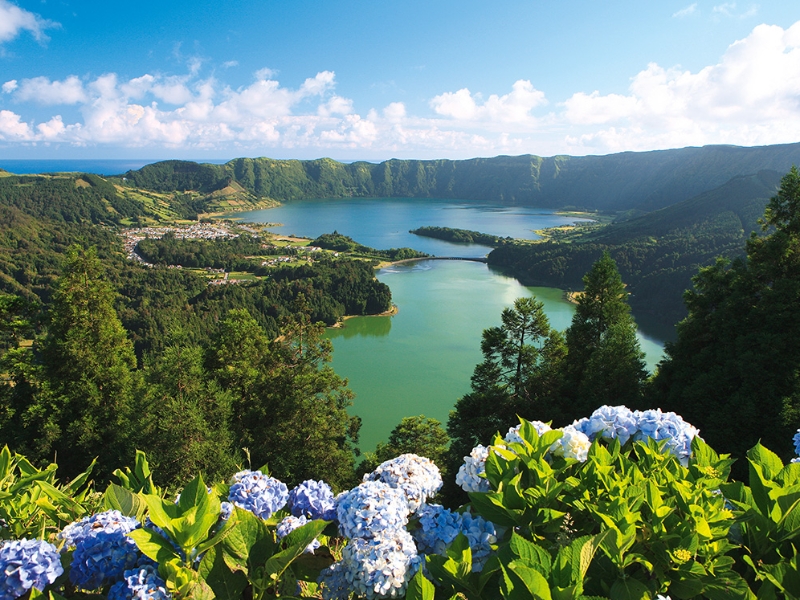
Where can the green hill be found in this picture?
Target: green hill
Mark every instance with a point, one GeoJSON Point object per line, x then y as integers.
{"type": "Point", "coordinates": [643, 181]}
{"type": "Point", "coordinates": [658, 253]}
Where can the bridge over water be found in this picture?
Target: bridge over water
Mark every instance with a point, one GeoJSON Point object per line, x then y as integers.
{"type": "Point", "coordinates": [480, 259]}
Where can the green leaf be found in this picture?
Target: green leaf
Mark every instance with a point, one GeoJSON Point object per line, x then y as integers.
{"type": "Point", "coordinates": [630, 589]}
{"type": "Point", "coordinates": [535, 584]}
{"type": "Point", "coordinates": [125, 501]}
{"type": "Point", "coordinates": [419, 588]}
{"type": "Point", "coordinates": [248, 536]}
{"type": "Point", "coordinates": [490, 506]}
{"type": "Point", "coordinates": [226, 584]}
{"type": "Point", "coordinates": [530, 554]}
{"type": "Point", "coordinates": [154, 545]}
{"type": "Point", "coordinates": [769, 462]}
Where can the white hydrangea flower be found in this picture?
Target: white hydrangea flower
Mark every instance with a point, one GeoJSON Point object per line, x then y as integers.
{"type": "Point", "coordinates": [469, 476]}
{"type": "Point", "coordinates": [573, 444]}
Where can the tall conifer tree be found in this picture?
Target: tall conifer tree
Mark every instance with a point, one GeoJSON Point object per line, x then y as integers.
{"type": "Point", "coordinates": [604, 363]}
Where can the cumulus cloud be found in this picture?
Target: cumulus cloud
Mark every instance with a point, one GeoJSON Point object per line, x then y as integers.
{"type": "Point", "coordinates": [751, 96]}
{"type": "Point", "coordinates": [43, 91]}
{"type": "Point", "coordinates": [14, 20]}
{"type": "Point", "coordinates": [10, 86]}
{"type": "Point", "coordinates": [514, 107]}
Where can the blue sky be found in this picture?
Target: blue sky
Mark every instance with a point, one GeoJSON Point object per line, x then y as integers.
{"type": "Point", "coordinates": [375, 79]}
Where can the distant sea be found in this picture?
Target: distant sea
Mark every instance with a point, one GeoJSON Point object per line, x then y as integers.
{"type": "Point", "coordinates": [115, 166]}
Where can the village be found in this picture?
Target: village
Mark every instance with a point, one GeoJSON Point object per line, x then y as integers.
{"type": "Point", "coordinates": [212, 231]}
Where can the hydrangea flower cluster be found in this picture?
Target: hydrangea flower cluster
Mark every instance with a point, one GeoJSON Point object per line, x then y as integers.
{"type": "Point", "coordinates": [143, 583]}
{"type": "Point", "coordinates": [372, 509]}
{"type": "Point", "coordinates": [289, 524]}
{"type": "Point", "coordinates": [314, 500]}
{"type": "Point", "coordinates": [103, 551]}
{"type": "Point", "coordinates": [380, 557]}
{"type": "Point", "coordinates": [438, 527]}
{"type": "Point", "coordinates": [469, 476]}
{"type": "Point", "coordinates": [572, 444]}
{"type": "Point", "coordinates": [416, 476]}
{"type": "Point", "coordinates": [481, 535]}
{"type": "Point", "coordinates": [513, 432]}
{"type": "Point", "coordinates": [378, 567]}
{"type": "Point", "coordinates": [26, 564]}
{"type": "Point", "coordinates": [258, 493]}
{"type": "Point", "coordinates": [610, 422]}
{"type": "Point", "coordinates": [796, 440]}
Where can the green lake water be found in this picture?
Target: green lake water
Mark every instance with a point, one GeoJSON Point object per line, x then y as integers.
{"type": "Point", "coordinates": [420, 360]}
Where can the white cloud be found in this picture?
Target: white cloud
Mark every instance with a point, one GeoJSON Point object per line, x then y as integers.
{"type": "Point", "coordinates": [10, 86]}
{"type": "Point", "coordinates": [43, 91]}
{"type": "Point", "coordinates": [685, 12]}
{"type": "Point", "coordinates": [14, 20]}
{"type": "Point", "coordinates": [230, 63]}
{"type": "Point", "coordinates": [12, 128]}
{"type": "Point", "coordinates": [514, 107]}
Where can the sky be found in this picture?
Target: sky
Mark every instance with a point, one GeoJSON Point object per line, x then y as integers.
{"type": "Point", "coordinates": [374, 79]}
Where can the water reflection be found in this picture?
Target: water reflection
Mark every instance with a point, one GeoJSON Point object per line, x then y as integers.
{"type": "Point", "coordinates": [362, 327]}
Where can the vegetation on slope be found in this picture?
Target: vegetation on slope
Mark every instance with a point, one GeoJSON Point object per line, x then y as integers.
{"type": "Point", "coordinates": [631, 180]}
{"type": "Point", "coordinates": [657, 253]}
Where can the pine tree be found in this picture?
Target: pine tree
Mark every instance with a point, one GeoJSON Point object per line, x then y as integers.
{"type": "Point", "coordinates": [289, 406]}
{"type": "Point", "coordinates": [604, 363]}
{"type": "Point", "coordinates": [89, 368]}
{"type": "Point", "coordinates": [519, 376]}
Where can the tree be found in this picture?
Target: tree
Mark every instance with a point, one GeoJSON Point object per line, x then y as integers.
{"type": "Point", "coordinates": [415, 435]}
{"type": "Point", "coordinates": [604, 363]}
{"type": "Point", "coordinates": [85, 408]}
{"type": "Point", "coordinates": [733, 369]}
{"type": "Point", "coordinates": [184, 419]}
{"type": "Point", "coordinates": [289, 406]}
{"type": "Point", "coordinates": [520, 375]}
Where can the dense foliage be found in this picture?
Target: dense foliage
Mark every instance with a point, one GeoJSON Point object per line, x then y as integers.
{"type": "Point", "coordinates": [656, 253]}
{"type": "Point", "coordinates": [461, 236]}
{"type": "Point", "coordinates": [733, 368]}
{"type": "Point", "coordinates": [342, 243]}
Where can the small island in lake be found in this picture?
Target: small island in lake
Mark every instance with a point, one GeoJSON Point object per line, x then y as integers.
{"type": "Point", "coordinates": [462, 236]}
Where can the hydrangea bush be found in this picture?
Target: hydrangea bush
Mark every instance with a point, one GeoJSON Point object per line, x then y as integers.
{"type": "Point", "coordinates": [620, 504]}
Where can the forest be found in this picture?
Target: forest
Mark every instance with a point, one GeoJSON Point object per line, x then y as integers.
{"type": "Point", "coordinates": [461, 236]}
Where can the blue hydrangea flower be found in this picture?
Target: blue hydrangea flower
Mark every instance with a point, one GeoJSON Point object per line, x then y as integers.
{"type": "Point", "coordinates": [380, 567]}
{"type": "Point", "coordinates": [335, 585]}
{"type": "Point", "coordinates": [438, 527]}
{"type": "Point", "coordinates": [796, 440]}
{"type": "Point", "coordinates": [611, 422]}
{"type": "Point", "coordinates": [313, 499]}
{"type": "Point", "coordinates": [289, 524]}
{"type": "Point", "coordinates": [418, 477]}
{"type": "Point", "coordinates": [481, 535]}
{"type": "Point", "coordinates": [259, 494]}
{"type": "Point", "coordinates": [103, 551]}
{"type": "Point", "coordinates": [371, 509]}
{"type": "Point", "coordinates": [143, 583]}
{"type": "Point", "coordinates": [513, 433]}
{"type": "Point", "coordinates": [26, 564]}
{"type": "Point", "coordinates": [469, 476]}
{"type": "Point", "coordinates": [573, 444]}
{"type": "Point", "coordinates": [667, 426]}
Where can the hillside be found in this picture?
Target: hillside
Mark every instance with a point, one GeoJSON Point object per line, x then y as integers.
{"type": "Point", "coordinates": [658, 253]}
{"type": "Point", "coordinates": [642, 181]}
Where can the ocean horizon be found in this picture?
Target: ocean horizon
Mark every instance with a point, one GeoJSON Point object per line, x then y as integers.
{"type": "Point", "coordinates": [98, 166]}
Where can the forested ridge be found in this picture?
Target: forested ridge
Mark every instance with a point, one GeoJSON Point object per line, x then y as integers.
{"type": "Point", "coordinates": [643, 181]}
{"type": "Point", "coordinates": [657, 253]}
